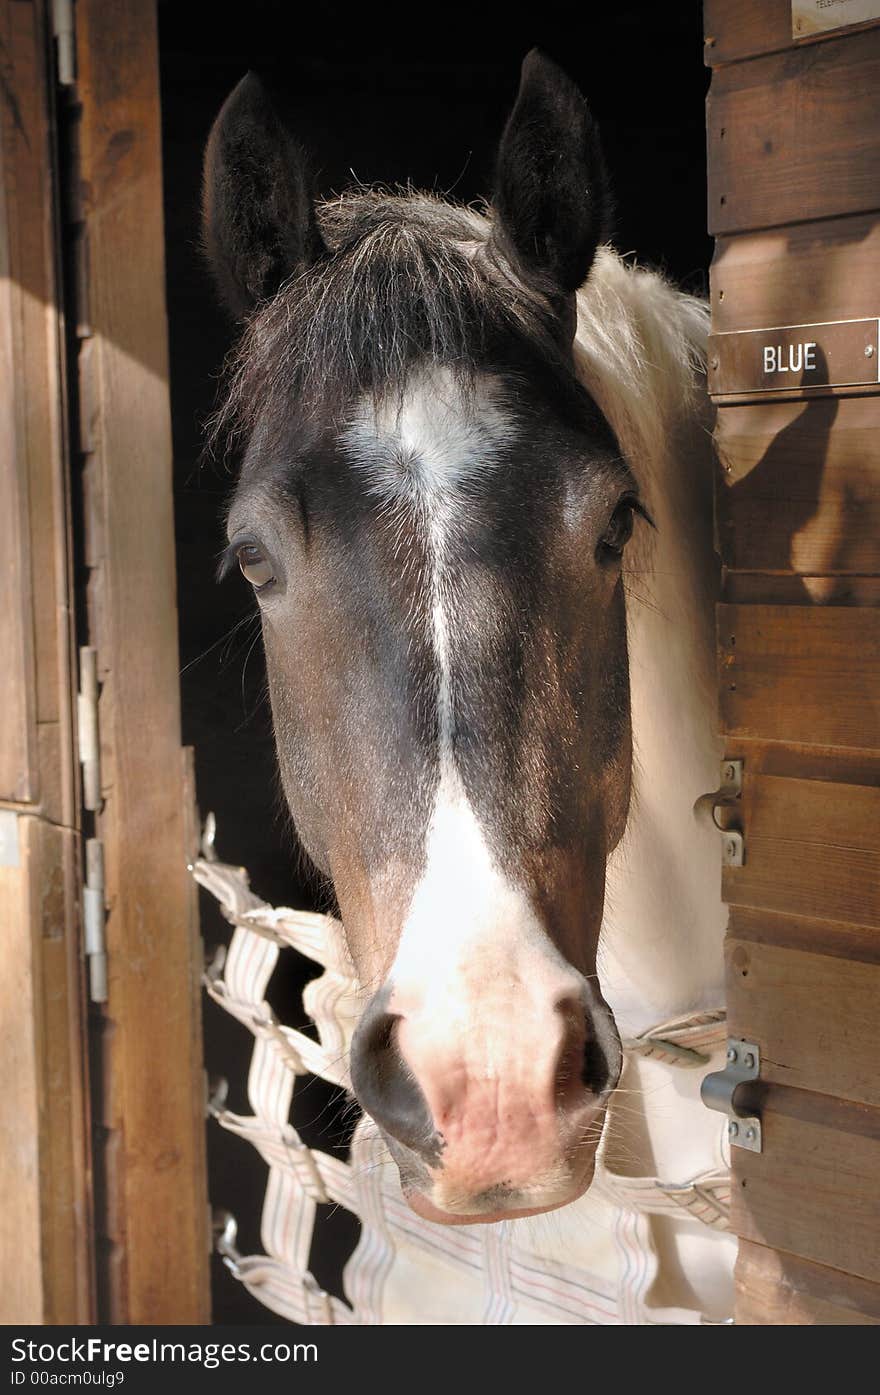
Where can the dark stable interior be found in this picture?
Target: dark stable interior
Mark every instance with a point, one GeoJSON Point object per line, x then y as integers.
{"type": "Point", "coordinates": [418, 98]}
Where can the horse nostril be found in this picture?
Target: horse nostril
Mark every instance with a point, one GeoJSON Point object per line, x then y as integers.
{"type": "Point", "coordinates": [584, 1062]}
{"type": "Point", "coordinates": [379, 1037]}
{"type": "Point", "coordinates": [384, 1086]}
{"type": "Point", "coordinates": [569, 1064]}
{"type": "Point", "coordinates": [595, 1074]}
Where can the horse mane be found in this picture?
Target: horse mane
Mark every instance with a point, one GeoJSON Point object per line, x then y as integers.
{"type": "Point", "coordinates": [640, 350]}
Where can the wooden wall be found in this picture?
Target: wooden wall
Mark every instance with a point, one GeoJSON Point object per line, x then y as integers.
{"type": "Point", "coordinates": [794, 193]}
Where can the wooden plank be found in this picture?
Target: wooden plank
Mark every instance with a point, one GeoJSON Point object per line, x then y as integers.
{"type": "Point", "coordinates": [66, 1183]}
{"type": "Point", "coordinates": [813, 1190]}
{"type": "Point", "coordinates": [806, 273]}
{"type": "Point", "coordinates": [736, 29]}
{"type": "Point", "coordinates": [759, 588]}
{"type": "Point", "coordinates": [776, 1289]}
{"type": "Point", "coordinates": [18, 778]}
{"type": "Point", "coordinates": [45, 1220]}
{"type": "Point", "coordinates": [36, 426]}
{"type": "Point", "coordinates": [816, 1017]}
{"type": "Point", "coordinates": [155, 1223]}
{"type": "Point", "coordinates": [21, 126]}
{"type": "Point", "coordinates": [21, 1213]}
{"type": "Point", "coordinates": [800, 491]}
{"type": "Point", "coordinates": [796, 135]}
{"type": "Point", "coordinates": [810, 850]}
{"type": "Point", "coordinates": [831, 938]}
{"type": "Point", "coordinates": [37, 760]}
{"type": "Point", "coordinates": [801, 762]}
{"type": "Point", "coordinates": [800, 673]}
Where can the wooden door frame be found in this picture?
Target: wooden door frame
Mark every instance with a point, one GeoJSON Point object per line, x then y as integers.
{"type": "Point", "coordinates": [153, 1211]}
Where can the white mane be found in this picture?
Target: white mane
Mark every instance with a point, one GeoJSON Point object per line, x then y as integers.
{"type": "Point", "coordinates": [640, 349]}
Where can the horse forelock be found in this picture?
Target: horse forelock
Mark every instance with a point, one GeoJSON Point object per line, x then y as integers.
{"type": "Point", "coordinates": [409, 282]}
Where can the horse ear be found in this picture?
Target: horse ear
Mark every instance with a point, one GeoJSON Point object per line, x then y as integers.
{"type": "Point", "coordinates": [258, 215]}
{"type": "Point", "coordinates": [552, 205]}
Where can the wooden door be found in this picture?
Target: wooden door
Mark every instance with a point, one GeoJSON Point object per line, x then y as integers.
{"type": "Point", "coordinates": [107, 1222]}
{"type": "Point", "coordinates": [794, 192]}
{"type": "Point", "coordinates": [45, 1219]}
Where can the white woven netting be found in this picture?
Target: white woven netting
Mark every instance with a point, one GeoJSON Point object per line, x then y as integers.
{"type": "Point", "coordinates": [637, 1249]}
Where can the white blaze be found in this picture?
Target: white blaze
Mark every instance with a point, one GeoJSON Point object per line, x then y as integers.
{"type": "Point", "coordinates": [422, 453]}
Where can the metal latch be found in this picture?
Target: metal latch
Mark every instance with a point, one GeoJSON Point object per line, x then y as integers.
{"type": "Point", "coordinates": [718, 1091]}
{"type": "Point", "coordinates": [727, 796]}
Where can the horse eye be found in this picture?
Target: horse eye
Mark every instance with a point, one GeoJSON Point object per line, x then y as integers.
{"type": "Point", "coordinates": [255, 566]}
{"type": "Point", "coordinates": [620, 529]}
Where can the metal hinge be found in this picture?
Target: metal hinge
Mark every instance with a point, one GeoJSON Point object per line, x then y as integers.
{"type": "Point", "coordinates": [10, 854]}
{"type": "Point", "coordinates": [65, 41]}
{"type": "Point", "coordinates": [718, 1091]}
{"type": "Point", "coordinates": [87, 728]}
{"type": "Point", "coordinates": [712, 806]}
{"type": "Point", "coordinates": [94, 920]}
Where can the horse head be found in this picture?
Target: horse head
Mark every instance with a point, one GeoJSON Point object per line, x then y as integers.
{"type": "Point", "coordinates": [433, 511]}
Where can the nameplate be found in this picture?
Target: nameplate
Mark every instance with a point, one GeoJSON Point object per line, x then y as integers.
{"type": "Point", "coordinates": [810, 17]}
{"type": "Point", "coordinates": [792, 358]}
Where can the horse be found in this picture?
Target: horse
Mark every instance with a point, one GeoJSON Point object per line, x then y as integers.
{"type": "Point", "coordinates": [475, 509]}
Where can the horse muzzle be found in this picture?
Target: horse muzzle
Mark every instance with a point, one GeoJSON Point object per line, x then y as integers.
{"type": "Point", "coordinates": [491, 1096]}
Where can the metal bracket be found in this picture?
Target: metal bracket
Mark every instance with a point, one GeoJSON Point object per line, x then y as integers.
{"type": "Point", "coordinates": [727, 796]}
{"type": "Point", "coordinates": [733, 848]}
{"type": "Point", "coordinates": [718, 1091]}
